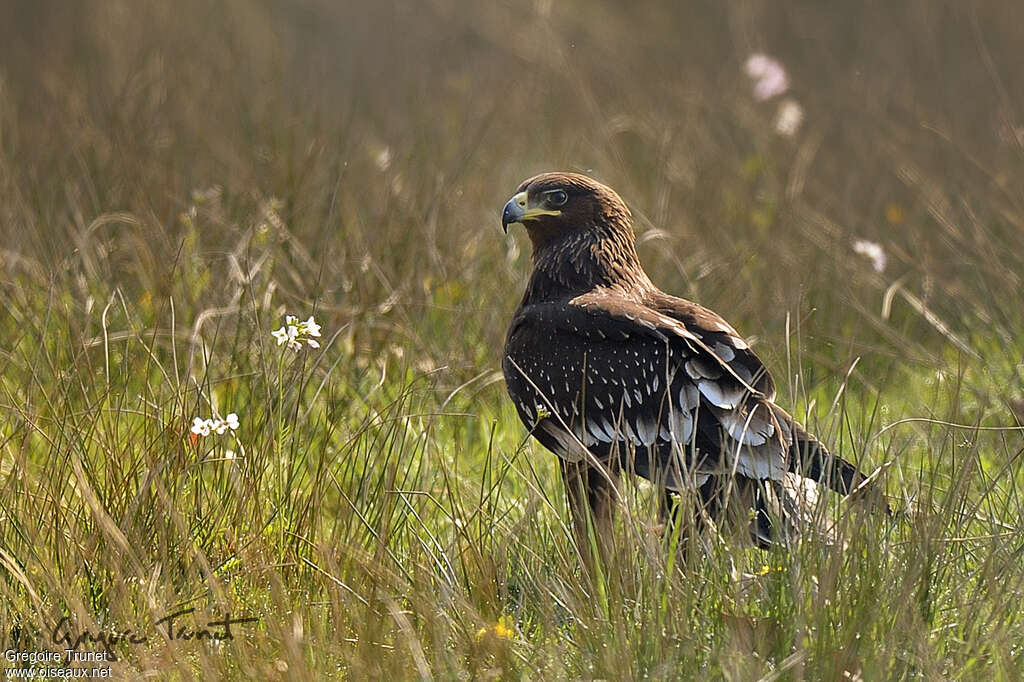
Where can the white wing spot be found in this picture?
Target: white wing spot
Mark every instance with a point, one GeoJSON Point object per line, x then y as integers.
{"type": "Point", "coordinates": [646, 431]}
{"type": "Point", "coordinates": [688, 397]}
{"type": "Point", "coordinates": [724, 352]}
{"type": "Point", "coordinates": [719, 395]}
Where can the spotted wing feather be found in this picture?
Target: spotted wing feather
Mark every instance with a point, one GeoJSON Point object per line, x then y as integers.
{"type": "Point", "coordinates": [605, 375]}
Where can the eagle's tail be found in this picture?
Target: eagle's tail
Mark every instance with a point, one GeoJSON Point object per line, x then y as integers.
{"type": "Point", "coordinates": [810, 459]}
{"type": "Point", "coordinates": [782, 510]}
{"type": "Point", "coordinates": [789, 508]}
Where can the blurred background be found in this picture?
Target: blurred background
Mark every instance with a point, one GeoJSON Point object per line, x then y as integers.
{"type": "Point", "coordinates": [388, 135]}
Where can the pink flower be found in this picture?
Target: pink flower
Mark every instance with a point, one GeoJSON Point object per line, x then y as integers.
{"type": "Point", "coordinates": [770, 79]}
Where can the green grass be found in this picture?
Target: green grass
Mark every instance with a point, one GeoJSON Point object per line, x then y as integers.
{"type": "Point", "coordinates": [174, 180]}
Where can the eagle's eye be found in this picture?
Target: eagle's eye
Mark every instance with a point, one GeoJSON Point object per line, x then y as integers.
{"type": "Point", "coordinates": [557, 197]}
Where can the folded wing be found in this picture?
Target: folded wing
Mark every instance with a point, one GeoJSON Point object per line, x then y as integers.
{"type": "Point", "coordinates": [606, 375]}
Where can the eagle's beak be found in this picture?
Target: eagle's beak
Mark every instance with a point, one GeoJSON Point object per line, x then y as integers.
{"type": "Point", "coordinates": [519, 210]}
{"type": "Point", "coordinates": [515, 211]}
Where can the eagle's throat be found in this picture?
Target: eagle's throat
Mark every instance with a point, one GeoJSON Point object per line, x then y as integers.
{"type": "Point", "coordinates": [584, 260]}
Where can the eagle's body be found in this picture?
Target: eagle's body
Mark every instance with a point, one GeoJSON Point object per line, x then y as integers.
{"type": "Point", "coordinates": [611, 374]}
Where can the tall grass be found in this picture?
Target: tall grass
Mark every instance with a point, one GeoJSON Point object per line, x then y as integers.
{"type": "Point", "coordinates": [175, 178]}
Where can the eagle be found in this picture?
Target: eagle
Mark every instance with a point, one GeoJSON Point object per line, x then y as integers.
{"type": "Point", "coordinates": [614, 375]}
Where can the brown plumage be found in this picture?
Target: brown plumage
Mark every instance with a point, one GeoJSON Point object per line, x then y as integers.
{"type": "Point", "coordinates": [612, 374]}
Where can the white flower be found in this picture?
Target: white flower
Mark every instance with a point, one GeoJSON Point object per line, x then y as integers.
{"type": "Point", "coordinates": [383, 159]}
{"type": "Point", "coordinates": [204, 427]}
{"type": "Point", "coordinates": [295, 332]}
{"type": "Point", "coordinates": [873, 251]}
{"type": "Point", "coordinates": [788, 118]}
{"type": "Point", "coordinates": [770, 79]}
{"type": "Point", "coordinates": [200, 427]}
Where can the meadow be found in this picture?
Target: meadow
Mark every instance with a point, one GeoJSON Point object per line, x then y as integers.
{"type": "Point", "coordinates": [177, 178]}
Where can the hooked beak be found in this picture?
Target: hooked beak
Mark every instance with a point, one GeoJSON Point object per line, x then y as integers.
{"type": "Point", "coordinates": [514, 211]}
{"type": "Point", "coordinates": [519, 210]}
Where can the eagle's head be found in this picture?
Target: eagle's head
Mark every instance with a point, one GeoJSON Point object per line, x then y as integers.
{"type": "Point", "coordinates": [582, 235]}
{"type": "Point", "coordinates": [552, 205]}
